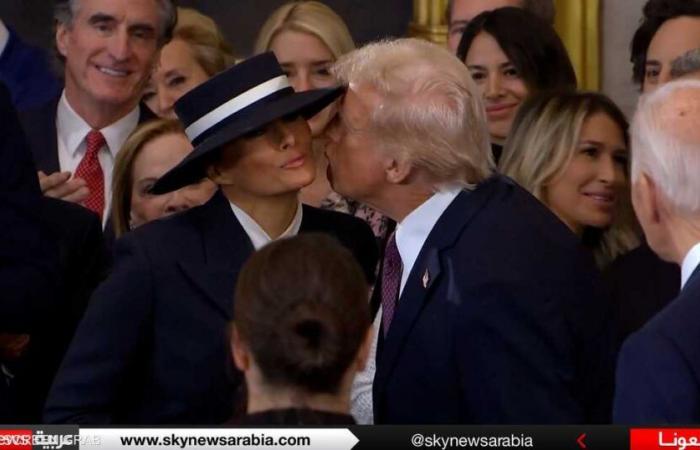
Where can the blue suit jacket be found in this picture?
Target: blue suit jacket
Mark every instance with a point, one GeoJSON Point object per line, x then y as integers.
{"type": "Point", "coordinates": [26, 70]}
{"type": "Point", "coordinates": [153, 346]}
{"type": "Point", "coordinates": [658, 372]}
{"type": "Point", "coordinates": [502, 320]}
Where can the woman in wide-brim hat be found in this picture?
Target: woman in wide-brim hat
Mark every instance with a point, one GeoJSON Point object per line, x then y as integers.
{"type": "Point", "coordinates": [153, 346]}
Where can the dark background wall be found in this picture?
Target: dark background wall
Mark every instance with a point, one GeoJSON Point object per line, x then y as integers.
{"type": "Point", "coordinates": [239, 19]}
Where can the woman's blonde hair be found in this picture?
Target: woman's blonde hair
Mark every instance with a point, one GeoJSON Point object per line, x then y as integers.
{"type": "Point", "coordinates": [123, 174]}
{"type": "Point", "coordinates": [543, 141]}
{"type": "Point", "coordinates": [310, 17]}
{"type": "Point", "coordinates": [209, 46]}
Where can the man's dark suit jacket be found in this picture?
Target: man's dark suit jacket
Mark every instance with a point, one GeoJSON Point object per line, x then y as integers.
{"type": "Point", "coordinates": [153, 346]}
{"type": "Point", "coordinates": [26, 71]}
{"type": "Point", "coordinates": [641, 284]}
{"type": "Point", "coordinates": [83, 264]}
{"type": "Point", "coordinates": [658, 372]}
{"type": "Point", "coordinates": [28, 254]}
{"type": "Point", "coordinates": [503, 319]}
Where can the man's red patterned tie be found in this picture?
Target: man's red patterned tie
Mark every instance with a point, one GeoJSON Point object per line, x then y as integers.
{"type": "Point", "coordinates": [90, 170]}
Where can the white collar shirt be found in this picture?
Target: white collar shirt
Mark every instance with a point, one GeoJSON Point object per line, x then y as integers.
{"type": "Point", "coordinates": [71, 130]}
{"type": "Point", "coordinates": [255, 232]}
{"type": "Point", "coordinates": [414, 229]}
{"type": "Point", "coordinates": [690, 263]}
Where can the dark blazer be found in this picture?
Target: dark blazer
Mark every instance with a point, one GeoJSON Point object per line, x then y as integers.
{"type": "Point", "coordinates": [658, 372]}
{"type": "Point", "coordinates": [83, 264]}
{"type": "Point", "coordinates": [153, 345]}
{"type": "Point", "coordinates": [26, 70]}
{"type": "Point", "coordinates": [28, 254]}
{"type": "Point", "coordinates": [503, 319]}
{"type": "Point", "coordinates": [641, 285]}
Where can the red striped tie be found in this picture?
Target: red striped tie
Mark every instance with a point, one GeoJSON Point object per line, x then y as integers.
{"type": "Point", "coordinates": [90, 170]}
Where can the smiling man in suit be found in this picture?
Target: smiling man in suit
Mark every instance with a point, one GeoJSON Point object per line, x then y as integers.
{"type": "Point", "coordinates": [490, 311]}
{"type": "Point", "coordinates": [108, 48]}
{"type": "Point", "coordinates": [657, 377]}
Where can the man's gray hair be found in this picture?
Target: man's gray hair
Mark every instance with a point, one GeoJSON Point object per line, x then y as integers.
{"type": "Point", "coordinates": [686, 64]}
{"type": "Point", "coordinates": [430, 113]}
{"type": "Point", "coordinates": [66, 10]}
{"type": "Point", "coordinates": [665, 140]}
{"type": "Point", "coordinates": [542, 8]}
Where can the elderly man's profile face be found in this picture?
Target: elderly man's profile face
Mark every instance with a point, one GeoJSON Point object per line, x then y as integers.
{"type": "Point", "coordinates": [355, 163]}
{"type": "Point", "coordinates": [465, 10]}
{"type": "Point", "coordinates": [109, 48]}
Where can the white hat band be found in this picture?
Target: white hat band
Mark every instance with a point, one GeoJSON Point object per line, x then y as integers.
{"type": "Point", "coordinates": [236, 104]}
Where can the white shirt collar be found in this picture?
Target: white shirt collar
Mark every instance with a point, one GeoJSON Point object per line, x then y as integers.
{"type": "Point", "coordinates": [257, 235]}
{"type": "Point", "coordinates": [414, 229]}
{"type": "Point", "coordinates": [4, 36]}
{"type": "Point", "coordinates": [72, 128]}
{"type": "Point", "coordinates": [690, 262]}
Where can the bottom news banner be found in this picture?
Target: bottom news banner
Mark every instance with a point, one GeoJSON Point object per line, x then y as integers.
{"type": "Point", "coordinates": [572, 437]}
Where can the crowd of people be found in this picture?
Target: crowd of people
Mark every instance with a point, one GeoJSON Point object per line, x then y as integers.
{"type": "Point", "coordinates": [320, 233]}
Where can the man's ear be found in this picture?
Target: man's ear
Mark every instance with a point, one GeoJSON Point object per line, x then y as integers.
{"type": "Point", "coordinates": [239, 350]}
{"type": "Point", "coordinates": [397, 170]}
{"type": "Point", "coordinates": [647, 201]}
{"type": "Point", "coordinates": [62, 36]}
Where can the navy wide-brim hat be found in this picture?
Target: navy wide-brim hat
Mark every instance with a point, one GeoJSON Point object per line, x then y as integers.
{"type": "Point", "coordinates": [235, 102]}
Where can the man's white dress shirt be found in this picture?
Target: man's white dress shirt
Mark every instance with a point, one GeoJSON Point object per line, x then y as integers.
{"type": "Point", "coordinates": [690, 262]}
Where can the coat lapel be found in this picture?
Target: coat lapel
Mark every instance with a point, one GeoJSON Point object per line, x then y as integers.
{"type": "Point", "coordinates": [226, 247]}
{"type": "Point", "coordinates": [426, 273]}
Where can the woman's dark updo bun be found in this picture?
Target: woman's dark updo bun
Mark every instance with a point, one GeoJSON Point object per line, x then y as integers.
{"type": "Point", "coordinates": [301, 307]}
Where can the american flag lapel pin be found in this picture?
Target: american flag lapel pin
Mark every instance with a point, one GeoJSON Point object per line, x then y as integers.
{"type": "Point", "coordinates": [426, 279]}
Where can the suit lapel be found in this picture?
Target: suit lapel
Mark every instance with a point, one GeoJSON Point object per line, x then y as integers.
{"type": "Point", "coordinates": [426, 272]}
{"type": "Point", "coordinates": [226, 247]}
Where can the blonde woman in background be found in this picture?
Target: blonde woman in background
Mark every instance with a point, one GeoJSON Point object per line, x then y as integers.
{"type": "Point", "coordinates": [570, 150]}
{"type": "Point", "coordinates": [152, 149]}
{"type": "Point", "coordinates": [307, 37]}
{"type": "Point", "coordinates": [197, 52]}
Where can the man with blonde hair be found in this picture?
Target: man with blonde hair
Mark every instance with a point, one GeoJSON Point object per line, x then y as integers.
{"type": "Point", "coordinates": [658, 374]}
{"type": "Point", "coordinates": [490, 311]}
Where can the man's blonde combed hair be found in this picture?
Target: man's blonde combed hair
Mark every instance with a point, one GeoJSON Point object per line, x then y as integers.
{"type": "Point", "coordinates": [431, 114]}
